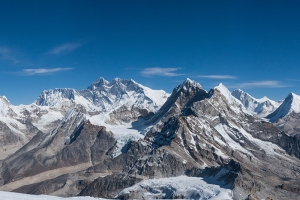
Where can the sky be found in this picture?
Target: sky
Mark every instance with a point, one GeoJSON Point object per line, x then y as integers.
{"type": "Point", "coordinates": [251, 45]}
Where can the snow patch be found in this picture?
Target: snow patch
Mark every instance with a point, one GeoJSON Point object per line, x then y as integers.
{"type": "Point", "coordinates": [20, 196]}
{"type": "Point", "coordinates": [189, 187]}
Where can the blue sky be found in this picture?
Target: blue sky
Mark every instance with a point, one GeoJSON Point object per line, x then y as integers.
{"type": "Point", "coordinates": [252, 45]}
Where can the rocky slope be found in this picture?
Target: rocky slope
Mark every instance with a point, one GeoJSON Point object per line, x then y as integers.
{"type": "Point", "coordinates": [194, 132]}
{"type": "Point", "coordinates": [206, 139]}
{"type": "Point", "coordinates": [18, 124]}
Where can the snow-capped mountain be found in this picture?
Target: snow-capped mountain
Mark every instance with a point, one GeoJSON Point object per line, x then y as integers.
{"type": "Point", "coordinates": [16, 126]}
{"type": "Point", "coordinates": [199, 144]}
{"type": "Point", "coordinates": [287, 115]}
{"type": "Point", "coordinates": [290, 104]}
{"type": "Point", "coordinates": [210, 128]}
{"type": "Point", "coordinates": [103, 101]}
{"type": "Point", "coordinates": [116, 102]}
{"type": "Point", "coordinates": [260, 107]}
{"type": "Point", "coordinates": [105, 96]}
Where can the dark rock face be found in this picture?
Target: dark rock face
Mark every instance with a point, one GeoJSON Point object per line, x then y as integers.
{"type": "Point", "coordinates": [127, 114]}
{"type": "Point", "coordinates": [183, 95]}
{"type": "Point", "coordinates": [195, 133]}
{"type": "Point", "coordinates": [7, 136]}
{"type": "Point", "coordinates": [108, 186]}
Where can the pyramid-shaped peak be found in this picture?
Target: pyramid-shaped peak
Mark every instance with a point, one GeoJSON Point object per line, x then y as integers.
{"type": "Point", "coordinates": [264, 98]}
{"type": "Point", "coordinates": [188, 80]}
{"type": "Point", "coordinates": [290, 104]}
{"type": "Point", "coordinates": [226, 93]}
{"type": "Point", "coordinates": [293, 95]}
{"type": "Point", "coordinates": [4, 99]}
{"type": "Point", "coordinates": [221, 87]}
{"type": "Point", "coordinates": [190, 83]}
{"type": "Point", "coordinates": [295, 101]}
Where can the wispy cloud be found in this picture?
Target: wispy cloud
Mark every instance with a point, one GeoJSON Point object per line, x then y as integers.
{"type": "Point", "coordinates": [43, 71]}
{"type": "Point", "coordinates": [7, 54]}
{"type": "Point", "coordinates": [261, 84]}
{"type": "Point", "coordinates": [159, 71]}
{"type": "Point", "coordinates": [218, 76]}
{"type": "Point", "coordinates": [64, 48]}
{"type": "Point", "coordinates": [291, 79]}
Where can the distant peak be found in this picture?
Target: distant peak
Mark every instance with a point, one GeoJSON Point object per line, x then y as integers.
{"type": "Point", "coordinates": [3, 98]}
{"type": "Point", "coordinates": [293, 96]}
{"type": "Point", "coordinates": [264, 98]}
{"type": "Point", "coordinates": [239, 91]}
{"type": "Point", "coordinates": [133, 81]}
{"type": "Point", "coordinates": [117, 79]}
{"type": "Point", "coordinates": [225, 92]}
{"type": "Point", "coordinates": [221, 87]}
{"type": "Point", "coordinates": [102, 79]}
{"type": "Point", "coordinates": [189, 82]}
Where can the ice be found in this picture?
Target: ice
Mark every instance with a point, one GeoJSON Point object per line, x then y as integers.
{"type": "Point", "coordinates": [124, 134]}
{"type": "Point", "coordinates": [189, 187]}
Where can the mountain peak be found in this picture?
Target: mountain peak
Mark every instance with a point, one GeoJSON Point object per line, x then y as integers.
{"type": "Point", "coordinates": [295, 102]}
{"type": "Point", "coordinates": [290, 104]}
{"type": "Point", "coordinates": [3, 98]}
{"type": "Point", "coordinates": [4, 102]}
{"type": "Point", "coordinates": [293, 98]}
{"type": "Point", "coordinates": [225, 92]}
{"type": "Point", "coordinates": [117, 79]}
{"type": "Point", "coordinates": [100, 82]}
{"type": "Point", "coordinates": [260, 107]}
{"type": "Point", "coordinates": [221, 87]}
{"type": "Point", "coordinates": [188, 83]}
{"type": "Point", "coordinates": [291, 94]}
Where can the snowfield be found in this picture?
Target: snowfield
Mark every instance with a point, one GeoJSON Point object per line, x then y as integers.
{"type": "Point", "coordinates": [19, 196]}
{"type": "Point", "coordinates": [176, 187]}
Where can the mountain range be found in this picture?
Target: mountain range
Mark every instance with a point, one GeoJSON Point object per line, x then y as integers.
{"type": "Point", "coordinates": [122, 140]}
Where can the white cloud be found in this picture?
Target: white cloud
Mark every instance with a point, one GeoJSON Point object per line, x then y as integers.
{"type": "Point", "coordinates": [218, 77]}
{"type": "Point", "coordinates": [158, 71]}
{"type": "Point", "coordinates": [6, 54]}
{"type": "Point", "coordinates": [262, 84]}
{"type": "Point", "coordinates": [64, 48]}
{"type": "Point", "coordinates": [41, 71]}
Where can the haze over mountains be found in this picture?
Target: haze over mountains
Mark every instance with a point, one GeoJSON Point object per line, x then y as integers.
{"type": "Point", "coordinates": [120, 139]}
